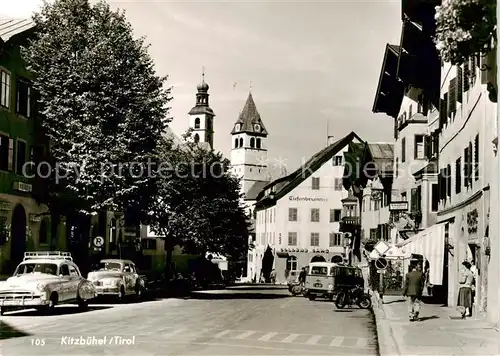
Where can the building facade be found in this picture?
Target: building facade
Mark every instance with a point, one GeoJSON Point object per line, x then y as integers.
{"type": "Point", "coordinates": [24, 224]}
{"type": "Point", "coordinates": [445, 124]}
{"type": "Point", "coordinates": [298, 216]}
{"type": "Point", "coordinates": [467, 127]}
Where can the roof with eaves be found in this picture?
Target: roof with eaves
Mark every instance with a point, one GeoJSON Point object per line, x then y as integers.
{"type": "Point", "coordinates": [284, 185]}
{"type": "Point", "coordinates": [12, 29]}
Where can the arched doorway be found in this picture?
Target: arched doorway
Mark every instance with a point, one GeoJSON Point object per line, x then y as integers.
{"type": "Point", "coordinates": [18, 235]}
{"type": "Point", "coordinates": [337, 259]}
{"type": "Point", "coordinates": [318, 259]}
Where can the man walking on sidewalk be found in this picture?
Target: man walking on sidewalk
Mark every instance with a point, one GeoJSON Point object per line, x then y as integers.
{"type": "Point", "coordinates": [414, 285]}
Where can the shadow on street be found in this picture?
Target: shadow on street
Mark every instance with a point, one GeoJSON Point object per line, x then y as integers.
{"type": "Point", "coordinates": [424, 318]}
{"type": "Point", "coordinates": [9, 332]}
{"type": "Point", "coordinates": [236, 295]}
{"type": "Point", "coordinates": [263, 287]}
{"type": "Point", "coordinates": [396, 301]}
{"type": "Point", "coordinates": [60, 310]}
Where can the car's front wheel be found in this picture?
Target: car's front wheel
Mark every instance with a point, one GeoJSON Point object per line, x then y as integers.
{"type": "Point", "coordinates": [138, 291]}
{"type": "Point", "coordinates": [121, 294]}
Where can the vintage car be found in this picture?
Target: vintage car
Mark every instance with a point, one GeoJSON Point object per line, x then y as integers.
{"type": "Point", "coordinates": [43, 280]}
{"type": "Point", "coordinates": [319, 280]}
{"type": "Point", "coordinates": [116, 277]}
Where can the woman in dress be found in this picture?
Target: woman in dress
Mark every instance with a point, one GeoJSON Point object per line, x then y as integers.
{"type": "Point", "coordinates": [464, 303]}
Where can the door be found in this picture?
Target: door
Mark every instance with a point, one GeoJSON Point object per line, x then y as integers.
{"type": "Point", "coordinates": [75, 280]}
{"type": "Point", "coordinates": [18, 236]}
{"type": "Point", "coordinates": [64, 283]}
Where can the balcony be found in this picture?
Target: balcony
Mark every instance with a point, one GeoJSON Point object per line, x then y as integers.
{"type": "Point", "coordinates": [350, 224]}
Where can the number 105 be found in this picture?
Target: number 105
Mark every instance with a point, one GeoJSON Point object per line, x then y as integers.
{"type": "Point", "coordinates": [37, 342]}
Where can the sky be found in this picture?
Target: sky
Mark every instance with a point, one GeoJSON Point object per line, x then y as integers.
{"type": "Point", "coordinates": [310, 65]}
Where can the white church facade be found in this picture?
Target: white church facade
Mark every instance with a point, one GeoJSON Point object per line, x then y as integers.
{"type": "Point", "coordinates": [298, 216]}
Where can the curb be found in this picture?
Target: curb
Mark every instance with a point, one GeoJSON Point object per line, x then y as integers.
{"type": "Point", "coordinates": [386, 343]}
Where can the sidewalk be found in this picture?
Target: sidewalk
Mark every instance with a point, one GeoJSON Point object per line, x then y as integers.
{"type": "Point", "coordinates": [439, 332]}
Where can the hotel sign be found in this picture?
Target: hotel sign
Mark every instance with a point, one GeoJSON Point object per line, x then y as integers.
{"type": "Point", "coordinates": [292, 198]}
{"type": "Point", "coordinates": [398, 206]}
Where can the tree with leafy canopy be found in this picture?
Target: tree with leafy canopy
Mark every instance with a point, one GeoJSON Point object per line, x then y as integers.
{"type": "Point", "coordinates": [197, 205]}
{"type": "Point", "coordinates": [103, 107]}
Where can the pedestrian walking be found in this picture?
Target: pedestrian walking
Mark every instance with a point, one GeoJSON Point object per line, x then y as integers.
{"type": "Point", "coordinates": [302, 277]}
{"type": "Point", "coordinates": [414, 285]}
{"type": "Point", "coordinates": [466, 281]}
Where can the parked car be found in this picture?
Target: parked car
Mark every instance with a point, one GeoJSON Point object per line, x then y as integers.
{"type": "Point", "coordinates": [116, 277]}
{"type": "Point", "coordinates": [43, 280]}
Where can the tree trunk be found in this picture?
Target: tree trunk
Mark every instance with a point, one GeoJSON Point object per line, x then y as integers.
{"type": "Point", "coordinates": [169, 248]}
{"type": "Point", "coordinates": [55, 218]}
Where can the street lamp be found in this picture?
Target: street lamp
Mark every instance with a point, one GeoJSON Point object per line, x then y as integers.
{"type": "Point", "coordinates": [377, 195]}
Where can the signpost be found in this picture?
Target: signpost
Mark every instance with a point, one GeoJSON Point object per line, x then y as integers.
{"type": "Point", "coordinates": [381, 247]}
{"type": "Point", "coordinates": [381, 263]}
{"type": "Point", "coordinates": [98, 241]}
{"type": "Point", "coordinates": [398, 206]}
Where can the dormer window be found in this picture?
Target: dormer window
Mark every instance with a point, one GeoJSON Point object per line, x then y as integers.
{"type": "Point", "coordinates": [256, 127]}
{"type": "Point", "coordinates": [237, 127]}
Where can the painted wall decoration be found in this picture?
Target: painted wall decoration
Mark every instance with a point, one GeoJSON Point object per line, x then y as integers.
{"type": "Point", "coordinates": [472, 218]}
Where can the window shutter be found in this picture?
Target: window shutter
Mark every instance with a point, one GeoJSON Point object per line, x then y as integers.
{"type": "Point", "coordinates": [443, 111]}
{"type": "Point", "coordinates": [448, 181]}
{"type": "Point", "coordinates": [476, 157]}
{"type": "Point", "coordinates": [427, 146]}
{"type": "Point", "coordinates": [419, 198]}
{"type": "Point", "coordinates": [435, 149]}
{"type": "Point", "coordinates": [403, 149]}
{"type": "Point", "coordinates": [458, 176]}
{"type": "Point", "coordinates": [415, 147]}
{"type": "Point", "coordinates": [472, 74]}
{"type": "Point", "coordinates": [466, 167]}
{"type": "Point", "coordinates": [441, 185]}
{"type": "Point", "coordinates": [452, 97]}
{"type": "Point", "coordinates": [413, 200]}
{"type": "Point", "coordinates": [466, 75]}
{"type": "Point", "coordinates": [11, 154]}
{"type": "Point", "coordinates": [459, 84]}
{"type": "Point", "coordinates": [471, 167]}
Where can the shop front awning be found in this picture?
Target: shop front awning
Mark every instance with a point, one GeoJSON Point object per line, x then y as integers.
{"type": "Point", "coordinates": [430, 244]}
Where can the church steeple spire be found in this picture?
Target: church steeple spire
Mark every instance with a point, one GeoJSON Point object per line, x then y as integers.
{"type": "Point", "coordinates": [201, 115]}
{"type": "Point", "coordinates": [249, 120]}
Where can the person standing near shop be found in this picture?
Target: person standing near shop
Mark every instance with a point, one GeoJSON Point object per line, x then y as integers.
{"type": "Point", "coordinates": [464, 303]}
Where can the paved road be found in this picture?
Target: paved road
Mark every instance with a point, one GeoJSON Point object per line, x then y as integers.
{"type": "Point", "coordinates": [241, 321]}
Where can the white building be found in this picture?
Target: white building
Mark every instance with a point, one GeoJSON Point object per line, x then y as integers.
{"type": "Point", "coordinates": [467, 128]}
{"type": "Point", "coordinates": [298, 216]}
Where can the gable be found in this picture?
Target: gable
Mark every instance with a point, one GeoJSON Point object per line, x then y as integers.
{"type": "Point", "coordinates": [287, 184]}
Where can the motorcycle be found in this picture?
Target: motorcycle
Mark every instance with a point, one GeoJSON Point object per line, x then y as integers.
{"type": "Point", "coordinates": [295, 289]}
{"type": "Point", "coordinates": [353, 296]}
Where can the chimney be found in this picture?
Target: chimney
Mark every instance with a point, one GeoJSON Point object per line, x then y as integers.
{"type": "Point", "coordinates": [329, 140]}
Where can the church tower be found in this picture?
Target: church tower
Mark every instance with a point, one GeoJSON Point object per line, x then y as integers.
{"type": "Point", "coordinates": [249, 147]}
{"type": "Point", "coordinates": [201, 116]}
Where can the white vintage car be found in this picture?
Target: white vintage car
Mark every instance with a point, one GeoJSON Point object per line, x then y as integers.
{"type": "Point", "coordinates": [118, 278]}
{"type": "Point", "coordinates": [43, 280]}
